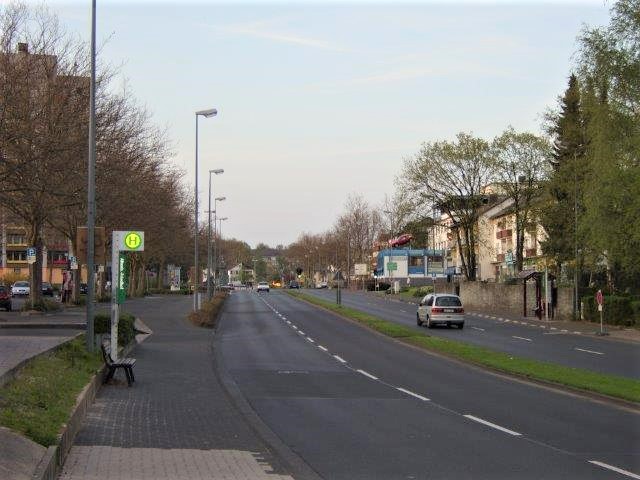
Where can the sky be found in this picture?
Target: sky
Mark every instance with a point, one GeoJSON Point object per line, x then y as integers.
{"type": "Point", "coordinates": [320, 100]}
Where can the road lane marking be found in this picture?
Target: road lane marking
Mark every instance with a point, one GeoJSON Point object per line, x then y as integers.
{"type": "Point", "coordinates": [578, 333]}
{"type": "Point", "coordinates": [366, 374]}
{"type": "Point", "coordinates": [478, 328]}
{"type": "Point", "coordinates": [588, 351]}
{"type": "Point", "coordinates": [419, 397]}
{"type": "Point", "coordinates": [300, 332]}
{"type": "Point", "coordinates": [340, 359]}
{"type": "Point", "coordinates": [615, 469]}
{"type": "Point", "coordinates": [288, 322]}
{"type": "Point", "coordinates": [553, 328]}
{"type": "Point", "coordinates": [564, 331]}
{"type": "Point", "coordinates": [403, 311]}
{"type": "Point", "coordinates": [522, 338]}
{"type": "Point", "coordinates": [324, 349]}
{"type": "Point", "coordinates": [493, 425]}
{"type": "Point", "coordinates": [311, 340]}
{"type": "Point", "coordinates": [294, 327]}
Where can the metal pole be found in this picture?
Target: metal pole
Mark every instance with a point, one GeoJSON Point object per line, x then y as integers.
{"type": "Point", "coordinates": [209, 244]}
{"type": "Point", "coordinates": [215, 241]}
{"type": "Point", "coordinates": [196, 275]}
{"type": "Point", "coordinates": [575, 238]}
{"type": "Point", "coordinates": [91, 189]}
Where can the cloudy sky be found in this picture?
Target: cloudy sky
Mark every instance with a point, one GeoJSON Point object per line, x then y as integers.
{"type": "Point", "coordinates": [318, 100]}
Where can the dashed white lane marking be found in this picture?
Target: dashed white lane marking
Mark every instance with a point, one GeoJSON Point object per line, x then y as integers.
{"type": "Point", "coordinates": [288, 322]}
{"type": "Point", "coordinates": [478, 328]}
{"type": "Point", "coordinates": [615, 469]}
{"type": "Point", "coordinates": [403, 311]}
{"type": "Point", "coordinates": [553, 328]}
{"type": "Point", "coordinates": [522, 338]}
{"type": "Point", "coordinates": [294, 327]}
{"type": "Point", "coordinates": [588, 351]}
{"type": "Point", "coordinates": [578, 333]}
{"type": "Point", "coordinates": [492, 425]}
{"type": "Point", "coordinates": [408, 392]}
{"type": "Point", "coordinates": [564, 331]}
{"type": "Point", "coordinates": [324, 349]}
{"type": "Point", "coordinates": [367, 374]}
{"type": "Point", "coordinates": [340, 359]}
{"type": "Point", "coordinates": [500, 319]}
{"type": "Point", "coordinates": [301, 332]}
{"type": "Point", "coordinates": [311, 340]}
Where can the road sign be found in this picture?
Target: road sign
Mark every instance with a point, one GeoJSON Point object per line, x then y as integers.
{"type": "Point", "coordinates": [99, 245]}
{"type": "Point", "coordinates": [123, 277]}
{"type": "Point", "coordinates": [129, 241]}
{"type": "Point", "coordinates": [31, 255]}
{"type": "Point", "coordinates": [391, 266]}
{"type": "Point", "coordinates": [360, 268]}
{"type": "Point", "coordinates": [600, 300]}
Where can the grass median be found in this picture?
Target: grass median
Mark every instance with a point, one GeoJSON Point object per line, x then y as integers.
{"type": "Point", "coordinates": [611, 385]}
{"type": "Point", "coordinates": [40, 399]}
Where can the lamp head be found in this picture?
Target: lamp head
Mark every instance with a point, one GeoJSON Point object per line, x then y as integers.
{"type": "Point", "coordinates": [217, 171]}
{"type": "Point", "coordinates": [220, 199]}
{"type": "Point", "coordinates": [212, 112]}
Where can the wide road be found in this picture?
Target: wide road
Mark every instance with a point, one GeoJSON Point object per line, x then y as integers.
{"type": "Point", "coordinates": [356, 405]}
{"type": "Point", "coordinates": [530, 341]}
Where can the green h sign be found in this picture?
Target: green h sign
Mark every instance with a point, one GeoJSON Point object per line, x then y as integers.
{"type": "Point", "coordinates": [391, 266]}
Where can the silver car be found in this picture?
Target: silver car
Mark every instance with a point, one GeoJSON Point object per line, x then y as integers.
{"type": "Point", "coordinates": [20, 288]}
{"type": "Point", "coordinates": [440, 308]}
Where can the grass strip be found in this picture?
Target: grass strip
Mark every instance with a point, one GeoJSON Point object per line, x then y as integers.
{"type": "Point", "coordinates": [40, 399]}
{"type": "Point", "coordinates": [611, 385]}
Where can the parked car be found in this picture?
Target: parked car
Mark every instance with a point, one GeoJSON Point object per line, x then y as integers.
{"type": "Point", "coordinates": [294, 285]}
{"type": "Point", "coordinates": [47, 289]}
{"type": "Point", "coordinates": [437, 308]}
{"type": "Point", "coordinates": [20, 288]}
{"type": "Point", "coordinates": [263, 287]}
{"type": "Point", "coordinates": [322, 285]}
{"type": "Point", "coordinates": [5, 298]}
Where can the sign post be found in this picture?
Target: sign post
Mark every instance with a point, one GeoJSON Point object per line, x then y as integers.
{"type": "Point", "coordinates": [121, 242]}
{"type": "Point", "coordinates": [600, 301]}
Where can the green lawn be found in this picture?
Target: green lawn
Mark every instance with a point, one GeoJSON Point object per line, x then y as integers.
{"type": "Point", "coordinates": [614, 386]}
{"type": "Point", "coordinates": [40, 400]}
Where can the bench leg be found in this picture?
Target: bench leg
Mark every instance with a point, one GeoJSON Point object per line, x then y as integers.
{"type": "Point", "coordinates": [133, 379]}
{"type": "Point", "coordinates": [127, 372]}
{"type": "Point", "coordinates": [110, 373]}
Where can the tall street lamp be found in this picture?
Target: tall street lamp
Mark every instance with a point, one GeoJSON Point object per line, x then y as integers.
{"type": "Point", "coordinates": [215, 242]}
{"type": "Point", "coordinates": [212, 112]}
{"type": "Point", "coordinates": [216, 171]}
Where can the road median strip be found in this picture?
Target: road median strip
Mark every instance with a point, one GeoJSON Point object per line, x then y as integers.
{"type": "Point", "coordinates": [609, 385]}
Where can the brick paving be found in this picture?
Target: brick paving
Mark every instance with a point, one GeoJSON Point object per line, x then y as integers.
{"type": "Point", "coordinates": [177, 421]}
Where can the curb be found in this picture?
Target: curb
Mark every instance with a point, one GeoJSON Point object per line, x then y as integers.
{"type": "Point", "coordinates": [40, 325]}
{"type": "Point", "coordinates": [13, 371]}
{"type": "Point", "coordinates": [295, 465]}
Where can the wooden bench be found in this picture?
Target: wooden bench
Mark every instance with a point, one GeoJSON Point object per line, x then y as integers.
{"type": "Point", "coordinates": [125, 363]}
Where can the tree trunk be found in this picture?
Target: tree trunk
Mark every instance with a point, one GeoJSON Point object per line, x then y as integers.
{"type": "Point", "coordinates": [35, 270]}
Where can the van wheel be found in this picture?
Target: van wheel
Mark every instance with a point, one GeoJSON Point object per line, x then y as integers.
{"type": "Point", "coordinates": [418, 321]}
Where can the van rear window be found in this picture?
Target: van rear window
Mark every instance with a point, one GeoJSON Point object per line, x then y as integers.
{"type": "Point", "coordinates": [448, 302]}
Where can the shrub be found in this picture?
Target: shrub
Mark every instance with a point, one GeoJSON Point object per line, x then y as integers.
{"type": "Point", "coordinates": [422, 291]}
{"type": "Point", "coordinates": [635, 309]}
{"type": "Point", "coordinates": [126, 332]}
{"type": "Point", "coordinates": [617, 310]}
{"type": "Point", "coordinates": [208, 313]}
{"type": "Point", "coordinates": [42, 305]}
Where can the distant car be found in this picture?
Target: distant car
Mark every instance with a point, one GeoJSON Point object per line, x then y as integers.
{"type": "Point", "coordinates": [439, 309]}
{"type": "Point", "coordinates": [294, 285]}
{"type": "Point", "coordinates": [263, 287]}
{"type": "Point", "coordinates": [321, 285]}
{"type": "Point", "coordinates": [47, 289]}
{"type": "Point", "coordinates": [5, 298]}
{"type": "Point", "coordinates": [84, 288]}
{"type": "Point", "coordinates": [20, 288]}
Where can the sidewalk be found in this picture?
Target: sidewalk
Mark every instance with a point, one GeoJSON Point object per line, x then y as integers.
{"type": "Point", "coordinates": [176, 421]}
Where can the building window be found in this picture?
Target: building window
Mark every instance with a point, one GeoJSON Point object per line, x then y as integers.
{"type": "Point", "coordinates": [16, 255]}
{"type": "Point", "coordinates": [416, 261]}
{"type": "Point", "coordinates": [16, 239]}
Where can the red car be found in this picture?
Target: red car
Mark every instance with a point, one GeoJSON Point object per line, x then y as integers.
{"type": "Point", "coordinates": [401, 240]}
{"type": "Point", "coordinates": [5, 298]}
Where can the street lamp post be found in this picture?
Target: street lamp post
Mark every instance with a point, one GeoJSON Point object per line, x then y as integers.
{"type": "Point", "coordinates": [216, 171]}
{"type": "Point", "coordinates": [215, 240]}
{"type": "Point", "coordinates": [212, 112]}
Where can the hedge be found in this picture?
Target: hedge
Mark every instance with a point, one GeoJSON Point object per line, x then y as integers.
{"type": "Point", "coordinates": [617, 310]}
{"type": "Point", "coordinates": [126, 332]}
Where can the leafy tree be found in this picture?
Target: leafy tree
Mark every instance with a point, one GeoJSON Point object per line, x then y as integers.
{"type": "Point", "coordinates": [520, 162]}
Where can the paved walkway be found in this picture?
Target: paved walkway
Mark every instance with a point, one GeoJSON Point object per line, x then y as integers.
{"type": "Point", "coordinates": [177, 421]}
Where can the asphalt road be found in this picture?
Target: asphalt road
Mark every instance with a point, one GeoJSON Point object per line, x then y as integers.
{"type": "Point", "coordinates": [356, 405]}
{"type": "Point", "coordinates": [581, 351]}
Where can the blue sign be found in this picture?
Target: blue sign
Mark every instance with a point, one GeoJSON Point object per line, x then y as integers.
{"type": "Point", "coordinates": [31, 252]}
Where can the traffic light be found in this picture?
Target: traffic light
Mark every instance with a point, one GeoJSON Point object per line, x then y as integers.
{"type": "Point", "coordinates": [299, 271]}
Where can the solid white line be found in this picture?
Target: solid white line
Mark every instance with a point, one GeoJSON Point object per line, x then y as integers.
{"type": "Point", "coordinates": [340, 359]}
{"type": "Point", "coordinates": [588, 351]}
{"type": "Point", "coordinates": [615, 469]}
{"type": "Point", "coordinates": [522, 338]}
{"type": "Point", "coordinates": [478, 328]}
{"type": "Point", "coordinates": [367, 374]}
{"type": "Point", "coordinates": [419, 397]}
{"type": "Point", "coordinates": [310, 339]}
{"type": "Point", "coordinates": [324, 349]}
{"type": "Point", "coordinates": [492, 425]}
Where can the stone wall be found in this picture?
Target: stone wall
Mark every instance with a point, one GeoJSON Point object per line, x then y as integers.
{"type": "Point", "coordinates": [508, 299]}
